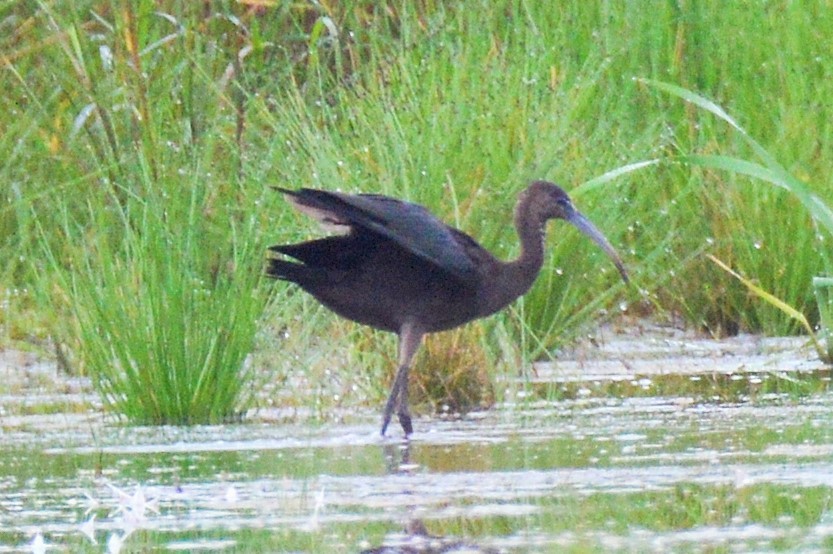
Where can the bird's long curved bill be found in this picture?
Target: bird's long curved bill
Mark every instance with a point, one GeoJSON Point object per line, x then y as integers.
{"type": "Point", "coordinates": [585, 226]}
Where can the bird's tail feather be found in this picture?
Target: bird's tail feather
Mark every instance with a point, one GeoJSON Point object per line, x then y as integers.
{"type": "Point", "coordinates": [284, 270]}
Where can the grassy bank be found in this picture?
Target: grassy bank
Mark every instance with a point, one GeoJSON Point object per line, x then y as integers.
{"type": "Point", "coordinates": [127, 120]}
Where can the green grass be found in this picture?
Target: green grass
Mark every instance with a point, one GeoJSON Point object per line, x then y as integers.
{"type": "Point", "coordinates": [767, 170]}
{"type": "Point", "coordinates": [164, 316]}
{"type": "Point", "coordinates": [149, 263]}
{"type": "Point", "coordinates": [135, 133]}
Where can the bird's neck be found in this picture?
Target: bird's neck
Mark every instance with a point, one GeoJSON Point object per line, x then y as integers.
{"type": "Point", "coordinates": [517, 276]}
{"type": "Point", "coordinates": [531, 234]}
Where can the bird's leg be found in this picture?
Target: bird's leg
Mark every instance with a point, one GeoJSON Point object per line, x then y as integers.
{"type": "Point", "coordinates": [404, 410]}
{"type": "Point", "coordinates": [394, 399]}
{"type": "Point", "coordinates": [409, 339]}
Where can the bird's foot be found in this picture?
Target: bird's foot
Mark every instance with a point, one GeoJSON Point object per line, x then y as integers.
{"type": "Point", "coordinates": [398, 401]}
{"type": "Point", "coordinates": [385, 422]}
{"type": "Point", "coordinates": [390, 405]}
{"type": "Point", "coordinates": [405, 421]}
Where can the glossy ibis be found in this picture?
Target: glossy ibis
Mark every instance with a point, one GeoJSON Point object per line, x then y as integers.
{"type": "Point", "coordinates": [398, 268]}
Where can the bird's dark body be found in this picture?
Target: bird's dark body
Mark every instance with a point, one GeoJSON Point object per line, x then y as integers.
{"type": "Point", "coordinates": [400, 269]}
{"type": "Point", "coordinates": [376, 282]}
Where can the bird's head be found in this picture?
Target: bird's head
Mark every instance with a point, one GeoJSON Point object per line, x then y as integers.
{"type": "Point", "coordinates": [554, 203]}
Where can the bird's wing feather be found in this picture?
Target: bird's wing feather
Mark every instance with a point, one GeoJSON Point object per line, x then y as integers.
{"type": "Point", "coordinates": [410, 225]}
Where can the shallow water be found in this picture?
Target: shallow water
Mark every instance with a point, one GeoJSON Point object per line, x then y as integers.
{"type": "Point", "coordinates": [582, 472]}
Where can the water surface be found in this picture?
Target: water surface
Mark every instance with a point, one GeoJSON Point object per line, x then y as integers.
{"type": "Point", "coordinates": [734, 458]}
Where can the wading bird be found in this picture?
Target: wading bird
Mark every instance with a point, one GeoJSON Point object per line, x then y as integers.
{"type": "Point", "coordinates": [398, 268]}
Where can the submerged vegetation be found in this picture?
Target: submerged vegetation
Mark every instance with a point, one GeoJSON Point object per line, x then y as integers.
{"type": "Point", "coordinates": [140, 140]}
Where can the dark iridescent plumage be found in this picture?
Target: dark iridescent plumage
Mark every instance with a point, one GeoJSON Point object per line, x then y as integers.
{"type": "Point", "coordinates": [398, 268]}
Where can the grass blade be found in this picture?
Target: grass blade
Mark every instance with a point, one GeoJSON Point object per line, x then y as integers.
{"type": "Point", "coordinates": [774, 301]}
{"type": "Point", "coordinates": [820, 211]}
